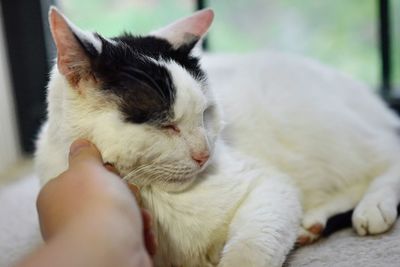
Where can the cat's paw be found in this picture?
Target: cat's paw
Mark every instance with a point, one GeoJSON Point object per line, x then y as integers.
{"type": "Point", "coordinates": [375, 214]}
{"type": "Point", "coordinates": [312, 226]}
{"type": "Point", "coordinates": [309, 235]}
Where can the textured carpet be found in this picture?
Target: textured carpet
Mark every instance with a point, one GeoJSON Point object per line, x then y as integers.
{"type": "Point", "coordinates": [19, 229]}
{"type": "Point", "coordinates": [346, 249]}
{"type": "Point", "coordinates": [19, 234]}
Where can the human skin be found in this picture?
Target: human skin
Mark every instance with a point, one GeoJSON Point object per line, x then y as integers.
{"type": "Point", "coordinates": [89, 217]}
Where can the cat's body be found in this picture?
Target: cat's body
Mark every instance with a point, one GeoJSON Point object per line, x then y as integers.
{"type": "Point", "coordinates": [320, 127]}
{"type": "Point", "coordinates": [301, 143]}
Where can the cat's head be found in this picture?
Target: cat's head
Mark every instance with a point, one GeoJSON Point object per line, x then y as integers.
{"type": "Point", "coordinates": [143, 100]}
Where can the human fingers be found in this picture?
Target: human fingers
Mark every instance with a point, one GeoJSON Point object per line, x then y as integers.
{"type": "Point", "coordinates": [111, 168]}
{"type": "Point", "coordinates": [148, 232]}
{"type": "Point", "coordinates": [81, 151]}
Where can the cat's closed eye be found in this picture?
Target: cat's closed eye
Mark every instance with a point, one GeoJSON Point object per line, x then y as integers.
{"type": "Point", "coordinates": [173, 128]}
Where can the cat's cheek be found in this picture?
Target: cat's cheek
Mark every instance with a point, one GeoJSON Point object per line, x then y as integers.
{"type": "Point", "coordinates": [176, 186]}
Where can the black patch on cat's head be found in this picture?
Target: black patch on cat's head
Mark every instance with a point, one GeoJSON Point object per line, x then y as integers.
{"type": "Point", "coordinates": [158, 48]}
{"type": "Point", "coordinates": [128, 68]}
{"type": "Point", "coordinates": [88, 46]}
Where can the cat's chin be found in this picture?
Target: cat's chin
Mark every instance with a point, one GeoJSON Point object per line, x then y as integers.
{"type": "Point", "coordinates": [176, 185]}
{"type": "Point", "coordinates": [170, 184]}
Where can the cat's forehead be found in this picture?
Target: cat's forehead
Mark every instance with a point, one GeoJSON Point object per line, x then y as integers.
{"type": "Point", "coordinates": [191, 99]}
{"type": "Point", "coordinates": [145, 73]}
{"type": "Point", "coordinates": [159, 49]}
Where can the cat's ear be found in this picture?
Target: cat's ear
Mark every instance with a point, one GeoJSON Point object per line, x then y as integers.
{"type": "Point", "coordinates": [188, 31]}
{"type": "Point", "coordinates": [75, 47]}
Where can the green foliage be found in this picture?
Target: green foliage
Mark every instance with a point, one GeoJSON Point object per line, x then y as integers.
{"type": "Point", "coordinates": [340, 33]}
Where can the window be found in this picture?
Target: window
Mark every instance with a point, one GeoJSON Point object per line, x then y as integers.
{"type": "Point", "coordinates": [341, 33]}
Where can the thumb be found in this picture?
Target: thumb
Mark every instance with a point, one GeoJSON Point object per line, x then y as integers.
{"type": "Point", "coordinates": [82, 150]}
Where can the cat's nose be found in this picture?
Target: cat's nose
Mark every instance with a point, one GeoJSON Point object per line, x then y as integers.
{"type": "Point", "coordinates": [201, 157]}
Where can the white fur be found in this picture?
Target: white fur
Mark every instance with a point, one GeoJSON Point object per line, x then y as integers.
{"type": "Point", "coordinates": [297, 135]}
{"type": "Point", "coordinates": [328, 132]}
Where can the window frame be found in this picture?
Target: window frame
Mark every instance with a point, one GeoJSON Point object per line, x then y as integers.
{"type": "Point", "coordinates": [25, 30]}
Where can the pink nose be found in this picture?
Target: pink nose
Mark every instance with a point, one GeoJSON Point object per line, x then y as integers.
{"type": "Point", "coordinates": [201, 157]}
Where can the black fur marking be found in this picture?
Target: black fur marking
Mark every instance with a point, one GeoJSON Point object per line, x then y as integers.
{"type": "Point", "coordinates": [87, 46]}
{"type": "Point", "coordinates": [341, 221]}
{"type": "Point", "coordinates": [159, 48]}
{"type": "Point", "coordinates": [145, 88]}
{"type": "Point", "coordinates": [125, 68]}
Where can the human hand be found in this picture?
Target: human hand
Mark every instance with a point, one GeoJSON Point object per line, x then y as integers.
{"type": "Point", "coordinates": [89, 195]}
{"type": "Point", "coordinates": [148, 233]}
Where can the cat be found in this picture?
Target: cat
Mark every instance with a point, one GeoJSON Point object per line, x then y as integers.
{"type": "Point", "coordinates": [236, 163]}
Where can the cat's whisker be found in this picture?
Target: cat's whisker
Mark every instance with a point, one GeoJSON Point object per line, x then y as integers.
{"type": "Point", "coordinates": [136, 172]}
{"type": "Point", "coordinates": [153, 177]}
{"type": "Point", "coordinates": [144, 171]}
{"type": "Point", "coordinates": [158, 172]}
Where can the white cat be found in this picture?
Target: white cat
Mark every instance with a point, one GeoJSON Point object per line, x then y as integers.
{"type": "Point", "coordinates": [301, 143]}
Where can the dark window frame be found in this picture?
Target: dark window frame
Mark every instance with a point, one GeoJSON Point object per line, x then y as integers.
{"type": "Point", "coordinates": [25, 29]}
{"type": "Point", "coordinates": [385, 23]}
{"type": "Point", "coordinates": [385, 47]}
